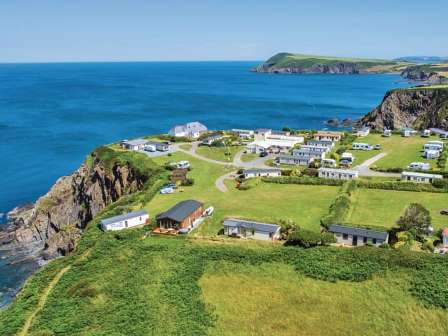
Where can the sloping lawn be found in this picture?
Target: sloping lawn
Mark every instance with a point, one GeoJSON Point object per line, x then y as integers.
{"type": "Point", "coordinates": [384, 207]}
{"type": "Point", "coordinates": [401, 151]}
{"type": "Point", "coordinates": [264, 202]}
{"type": "Point", "coordinates": [225, 154]}
{"type": "Point", "coordinates": [273, 299]}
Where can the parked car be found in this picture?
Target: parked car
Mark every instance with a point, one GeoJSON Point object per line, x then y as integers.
{"type": "Point", "coordinates": [164, 191]}
{"type": "Point", "coordinates": [209, 211]}
{"type": "Point", "coordinates": [377, 147]}
{"type": "Point", "coordinates": [263, 154]}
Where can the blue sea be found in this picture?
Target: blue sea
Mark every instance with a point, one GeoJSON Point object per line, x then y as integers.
{"type": "Point", "coordinates": [53, 115]}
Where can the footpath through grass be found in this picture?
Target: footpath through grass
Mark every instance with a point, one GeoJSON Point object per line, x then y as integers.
{"type": "Point", "coordinates": [176, 286]}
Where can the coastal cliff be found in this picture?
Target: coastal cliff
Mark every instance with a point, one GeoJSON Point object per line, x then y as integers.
{"type": "Point", "coordinates": [52, 226]}
{"type": "Point", "coordinates": [419, 107]}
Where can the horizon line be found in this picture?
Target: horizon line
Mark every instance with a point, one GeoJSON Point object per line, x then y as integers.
{"type": "Point", "coordinates": [128, 61]}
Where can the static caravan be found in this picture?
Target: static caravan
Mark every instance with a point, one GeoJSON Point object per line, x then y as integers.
{"type": "Point", "coordinates": [347, 156]}
{"type": "Point", "coordinates": [419, 177]}
{"type": "Point", "coordinates": [252, 230]}
{"type": "Point", "coordinates": [362, 146]}
{"type": "Point", "coordinates": [295, 160]}
{"type": "Point", "coordinates": [125, 221]}
{"type": "Point", "coordinates": [354, 236]}
{"type": "Point", "coordinates": [320, 143]}
{"type": "Point", "coordinates": [433, 146]}
{"type": "Point", "coordinates": [419, 165]}
{"type": "Point", "coordinates": [337, 174]}
{"type": "Point", "coordinates": [387, 133]}
{"type": "Point", "coordinates": [329, 163]}
{"type": "Point", "coordinates": [308, 153]}
{"type": "Point", "coordinates": [431, 154]}
{"type": "Point", "coordinates": [135, 145]}
{"type": "Point", "coordinates": [272, 172]}
{"type": "Point", "coordinates": [318, 149]}
{"type": "Point", "coordinates": [362, 132]}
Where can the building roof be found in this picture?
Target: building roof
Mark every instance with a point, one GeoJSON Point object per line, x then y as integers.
{"type": "Point", "coordinates": [335, 228]}
{"type": "Point", "coordinates": [274, 142]}
{"type": "Point", "coordinates": [320, 141]}
{"type": "Point", "coordinates": [156, 143]}
{"type": "Point", "coordinates": [181, 210]}
{"type": "Point", "coordinates": [307, 151]}
{"type": "Point", "coordinates": [408, 173]}
{"type": "Point", "coordinates": [328, 133]}
{"type": "Point", "coordinates": [338, 171]}
{"type": "Point", "coordinates": [191, 127]}
{"type": "Point", "coordinates": [120, 218]}
{"type": "Point", "coordinates": [438, 131]}
{"type": "Point", "coordinates": [263, 130]}
{"type": "Point", "coordinates": [263, 227]}
{"type": "Point", "coordinates": [280, 132]}
{"type": "Point", "coordinates": [135, 142]}
{"type": "Point", "coordinates": [296, 157]}
{"type": "Point", "coordinates": [261, 170]}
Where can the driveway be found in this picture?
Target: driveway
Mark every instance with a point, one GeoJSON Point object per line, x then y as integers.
{"type": "Point", "coordinates": [364, 168]}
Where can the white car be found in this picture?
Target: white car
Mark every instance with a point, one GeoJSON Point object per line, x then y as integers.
{"type": "Point", "coordinates": [167, 190]}
{"type": "Point", "coordinates": [209, 211]}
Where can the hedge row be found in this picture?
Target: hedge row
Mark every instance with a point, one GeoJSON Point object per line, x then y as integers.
{"type": "Point", "coordinates": [438, 187]}
{"type": "Point", "coordinates": [341, 205]}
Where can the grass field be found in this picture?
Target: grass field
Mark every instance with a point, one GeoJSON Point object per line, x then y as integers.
{"type": "Point", "coordinates": [265, 202]}
{"type": "Point", "coordinates": [251, 300]}
{"type": "Point", "coordinates": [401, 151]}
{"type": "Point", "coordinates": [225, 154]}
{"type": "Point", "coordinates": [249, 157]}
{"type": "Point", "coordinates": [384, 207]}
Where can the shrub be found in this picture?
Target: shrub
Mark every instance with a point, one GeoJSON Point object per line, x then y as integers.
{"type": "Point", "coordinates": [307, 180]}
{"type": "Point", "coordinates": [340, 207]}
{"type": "Point", "coordinates": [307, 239]}
{"type": "Point", "coordinates": [187, 182]}
{"type": "Point", "coordinates": [417, 217]}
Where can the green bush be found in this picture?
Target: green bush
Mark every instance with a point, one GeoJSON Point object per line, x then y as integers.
{"type": "Point", "coordinates": [307, 239]}
{"type": "Point", "coordinates": [308, 180]}
{"type": "Point", "coordinates": [340, 207]}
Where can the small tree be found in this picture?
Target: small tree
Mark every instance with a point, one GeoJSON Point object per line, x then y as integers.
{"type": "Point", "coordinates": [417, 217]}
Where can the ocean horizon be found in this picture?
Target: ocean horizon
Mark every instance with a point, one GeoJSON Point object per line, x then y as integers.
{"type": "Point", "coordinates": [53, 114]}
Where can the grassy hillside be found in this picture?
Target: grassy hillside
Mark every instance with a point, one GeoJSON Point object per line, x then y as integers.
{"type": "Point", "coordinates": [301, 61]}
{"type": "Point", "coordinates": [120, 284]}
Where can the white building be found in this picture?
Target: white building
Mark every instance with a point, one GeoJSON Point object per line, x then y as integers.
{"type": "Point", "coordinates": [125, 221]}
{"type": "Point", "coordinates": [135, 145]}
{"type": "Point", "coordinates": [419, 177]}
{"type": "Point", "coordinates": [243, 134]}
{"type": "Point", "coordinates": [279, 141]}
{"type": "Point", "coordinates": [362, 146]}
{"type": "Point", "coordinates": [362, 132]}
{"type": "Point", "coordinates": [295, 160]}
{"type": "Point", "coordinates": [337, 174]}
{"type": "Point", "coordinates": [431, 154]}
{"type": "Point", "coordinates": [321, 149]}
{"type": "Point", "coordinates": [419, 165]}
{"type": "Point", "coordinates": [211, 139]}
{"type": "Point", "coordinates": [268, 172]}
{"type": "Point", "coordinates": [306, 152]}
{"type": "Point", "coordinates": [321, 143]}
{"type": "Point", "coordinates": [327, 136]}
{"type": "Point", "coordinates": [252, 230]}
{"type": "Point", "coordinates": [189, 130]}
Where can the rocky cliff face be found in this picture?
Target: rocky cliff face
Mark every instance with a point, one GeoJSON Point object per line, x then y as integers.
{"type": "Point", "coordinates": [335, 68]}
{"type": "Point", "coordinates": [416, 73]}
{"type": "Point", "coordinates": [52, 226]}
{"type": "Point", "coordinates": [418, 107]}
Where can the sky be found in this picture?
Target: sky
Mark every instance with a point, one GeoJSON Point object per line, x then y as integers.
{"type": "Point", "coordinates": [171, 30]}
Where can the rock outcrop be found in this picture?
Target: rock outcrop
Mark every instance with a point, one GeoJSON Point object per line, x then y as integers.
{"type": "Point", "coordinates": [52, 226]}
{"type": "Point", "coordinates": [417, 73]}
{"type": "Point", "coordinates": [420, 108]}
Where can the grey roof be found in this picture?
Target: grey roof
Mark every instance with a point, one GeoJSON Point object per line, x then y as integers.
{"type": "Point", "coordinates": [181, 210]}
{"type": "Point", "coordinates": [279, 132]}
{"type": "Point", "coordinates": [263, 130]}
{"type": "Point", "coordinates": [438, 131]}
{"type": "Point", "coordinates": [135, 142]}
{"type": "Point", "coordinates": [264, 227]}
{"type": "Point", "coordinates": [296, 157]}
{"type": "Point", "coordinates": [260, 170]}
{"type": "Point", "coordinates": [358, 231]}
{"type": "Point", "coordinates": [190, 127]}
{"type": "Point", "coordinates": [120, 218]}
{"type": "Point", "coordinates": [157, 143]}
